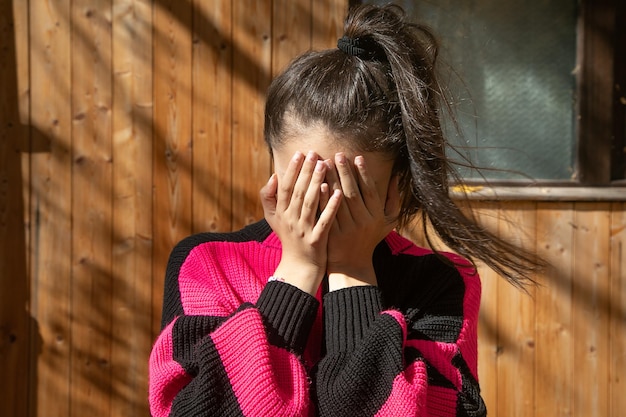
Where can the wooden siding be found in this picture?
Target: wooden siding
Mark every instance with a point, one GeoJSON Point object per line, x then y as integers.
{"type": "Point", "coordinates": [126, 125]}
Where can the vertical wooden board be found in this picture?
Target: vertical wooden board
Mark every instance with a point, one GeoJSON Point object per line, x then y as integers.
{"type": "Point", "coordinates": [172, 136]}
{"type": "Point", "coordinates": [617, 326]}
{"type": "Point", "coordinates": [14, 286]}
{"type": "Point", "coordinates": [50, 206]}
{"type": "Point", "coordinates": [327, 26]}
{"type": "Point", "coordinates": [91, 208]}
{"type": "Point", "coordinates": [553, 311]}
{"type": "Point", "coordinates": [487, 214]}
{"type": "Point", "coordinates": [251, 71]}
{"type": "Point", "coordinates": [22, 135]}
{"type": "Point", "coordinates": [291, 31]}
{"type": "Point", "coordinates": [21, 122]}
{"type": "Point", "coordinates": [516, 321]}
{"type": "Point", "coordinates": [212, 117]}
{"type": "Point", "coordinates": [590, 297]}
{"type": "Point", "coordinates": [131, 336]}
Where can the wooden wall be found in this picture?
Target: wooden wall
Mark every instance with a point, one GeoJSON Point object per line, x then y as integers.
{"type": "Point", "coordinates": [126, 125]}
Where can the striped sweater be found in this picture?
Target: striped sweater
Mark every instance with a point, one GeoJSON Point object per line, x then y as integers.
{"type": "Point", "coordinates": [233, 344]}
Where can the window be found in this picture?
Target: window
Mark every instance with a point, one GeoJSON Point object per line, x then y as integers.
{"type": "Point", "coordinates": [538, 87]}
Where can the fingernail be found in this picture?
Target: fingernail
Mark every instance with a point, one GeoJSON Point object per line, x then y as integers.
{"type": "Point", "coordinates": [319, 166]}
{"type": "Point", "coordinates": [341, 158]}
{"type": "Point", "coordinates": [297, 156]}
{"type": "Point", "coordinates": [359, 160]}
{"type": "Point", "coordinates": [311, 156]}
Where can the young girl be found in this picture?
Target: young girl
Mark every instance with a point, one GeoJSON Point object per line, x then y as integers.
{"type": "Point", "coordinates": [321, 308]}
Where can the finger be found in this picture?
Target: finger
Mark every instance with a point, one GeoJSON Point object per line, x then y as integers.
{"type": "Point", "coordinates": [268, 195]}
{"type": "Point", "coordinates": [332, 177]}
{"type": "Point", "coordinates": [327, 216]}
{"type": "Point", "coordinates": [303, 181]}
{"type": "Point", "coordinates": [287, 182]}
{"type": "Point", "coordinates": [367, 186]}
{"type": "Point", "coordinates": [324, 195]}
{"type": "Point", "coordinates": [349, 186]}
{"type": "Point", "coordinates": [311, 203]}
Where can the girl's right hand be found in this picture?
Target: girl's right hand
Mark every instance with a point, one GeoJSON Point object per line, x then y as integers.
{"type": "Point", "coordinates": [291, 207]}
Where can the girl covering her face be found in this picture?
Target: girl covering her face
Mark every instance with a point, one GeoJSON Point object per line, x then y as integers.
{"type": "Point", "coordinates": [321, 308]}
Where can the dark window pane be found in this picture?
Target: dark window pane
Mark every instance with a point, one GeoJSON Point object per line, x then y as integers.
{"type": "Point", "coordinates": [517, 65]}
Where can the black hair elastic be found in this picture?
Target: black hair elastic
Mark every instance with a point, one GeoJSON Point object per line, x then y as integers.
{"type": "Point", "coordinates": [351, 46]}
{"type": "Point", "coordinates": [361, 48]}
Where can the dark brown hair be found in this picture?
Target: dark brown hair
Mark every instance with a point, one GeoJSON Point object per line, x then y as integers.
{"type": "Point", "coordinates": [390, 101]}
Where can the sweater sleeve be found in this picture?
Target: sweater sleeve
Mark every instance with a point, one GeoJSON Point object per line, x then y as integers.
{"type": "Point", "coordinates": [383, 362]}
{"type": "Point", "coordinates": [245, 363]}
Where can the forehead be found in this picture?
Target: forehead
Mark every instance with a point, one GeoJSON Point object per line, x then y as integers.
{"type": "Point", "coordinates": [314, 137]}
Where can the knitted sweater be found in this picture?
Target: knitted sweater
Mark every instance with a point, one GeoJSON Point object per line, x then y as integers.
{"type": "Point", "coordinates": [233, 344]}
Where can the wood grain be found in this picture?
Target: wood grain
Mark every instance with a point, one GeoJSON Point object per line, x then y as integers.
{"type": "Point", "coordinates": [14, 169]}
{"type": "Point", "coordinates": [291, 31]}
{"type": "Point", "coordinates": [50, 206]}
{"type": "Point", "coordinates": [252, 63]}
{"type": "Point", "coordinates": [590, 315]}
{"type": "Point", "coordinates": [554, 362]}
{"type": "Point", "coordinates": [617, 326]}
{"type": "Point", "coordinates": [172, 136]}
{"type": "Point", "coordinates": [131, 336]}
{"type": "Point", "coordinates": [327, 25]}
{"type": "Point", "coordinates": [516, 319]}
{"type": "Point", "coordinates": [212, 115]}
{"type": "Point", "coordinates": [488, 329]}
{"type": "Point", "coordinates": [91, 296]}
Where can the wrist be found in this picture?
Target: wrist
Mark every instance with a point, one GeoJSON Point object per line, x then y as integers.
{"type": "Point", "coordinates": [305, 277]}
{"type": "Point", "coordinates": [353, 278]}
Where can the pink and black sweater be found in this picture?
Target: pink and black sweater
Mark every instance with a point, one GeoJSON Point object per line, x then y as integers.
{"type": "Point", "coordinates": [233, 344]}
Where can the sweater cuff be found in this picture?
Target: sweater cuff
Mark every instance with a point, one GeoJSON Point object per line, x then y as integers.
{"type": "Point", "coordinates": [288, 313]}
{"type": "Point", "coordinates": [348, 314]}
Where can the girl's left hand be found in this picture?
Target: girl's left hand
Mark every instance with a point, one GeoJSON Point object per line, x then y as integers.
{"type": "Point", "coordinates": [362, 222]}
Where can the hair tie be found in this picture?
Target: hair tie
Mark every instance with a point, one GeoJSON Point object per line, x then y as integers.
{"type": "Point", "coordinates": [363, 48]}
{"type": "Point", "coordinates": [351, 46]}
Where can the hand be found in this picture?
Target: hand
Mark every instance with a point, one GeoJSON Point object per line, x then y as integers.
{"type": "Point", "coordinates": [291, 207]}
{"type": "Point", "coordinates": [363, 220]}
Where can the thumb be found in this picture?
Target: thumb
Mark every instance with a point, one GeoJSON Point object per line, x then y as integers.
{"type": "Point", "coordinates": [268, 195]}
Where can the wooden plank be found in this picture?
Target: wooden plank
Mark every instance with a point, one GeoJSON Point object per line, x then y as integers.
{"type": "Point", "coordinates": [252, 68]}
{"type": "Point", "coordinates": [554, 361]}
{"type": "Point", "coordinates": [617, 325]}
{"type": "Point", "coordinates": [327, 26]}
{"type": "Point", "coordinates": [22, 136]}
{"type": "Point", "coordinates": [212, 116]}
{"type": "Point", "coordinates": [291, 31]}
{"type": "Point", "coordinates": [14, 285]}
{"type": "Point", "coordinates": [131, 336]}
{"type": "Point", "coordinates": [488, 347]}
{"type": "Point", "coordinates": [90, 305]}
{"type": "Point", "coordinates": [172, 136]}
{"type": "Point", "coordinates": [590, 260]}
{"type": "Point", "coordinates": [50, 206]}
{"type": "Point", "coordinates": [516, 321]}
